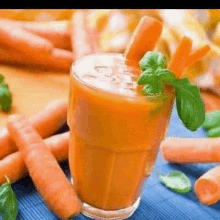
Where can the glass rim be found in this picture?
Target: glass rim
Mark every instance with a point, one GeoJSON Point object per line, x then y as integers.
{"type": "Point", "coordinates": [74, 74]}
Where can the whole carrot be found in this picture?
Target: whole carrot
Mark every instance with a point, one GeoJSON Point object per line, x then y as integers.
{"type": "Point", "coordinates": [13, 165]}
{"type": "Point", "coordinates": [56, 32]}
{"type": "Point", "coordinates": [24, 41]}
{"type": "Point", "coordinates": [207, 186]}
{"type": "Point", "coordinates": [58, 59]}
{"type": "Point", "coordinates": [143, 39]}
{"type": "Point", "coordinates": [46, 122]}
{"type": "Point", "coordinates": [49, 179]}
{"type": "Point", "coordinates": [191, 150]}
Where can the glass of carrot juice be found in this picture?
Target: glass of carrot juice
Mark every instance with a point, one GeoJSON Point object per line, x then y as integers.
{"type": "Point", "coordinates": [115, 134]}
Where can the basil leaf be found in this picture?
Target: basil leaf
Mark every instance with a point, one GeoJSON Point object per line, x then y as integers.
{"type": "Point", "coordinates": [5, 95]}
{"type": "Point", "coordinates": [177, 181]}
{"type": "Point", "coordinates": [1, 78]}
{"type": "Point", "coordinates": [213, 132]}
{"type": "Point", "coordinates": [166, 76]}
{"type": "Point", "coordinates": [154, 88]}
{"type": "Point", "coordinates": [146, 77]}
{"type": "Point", "coordinates": [5, 98]}
{"type": "Point", "coordinates": [153, 60]}
{"type": "Point", "coordinates": [190, 106]}
{"type": "Point", "coordinates": [155, 76]}
{"type": "Point", "coordinates": [8, 202]}
{"type": "Point", "coordinates": [212, 120]}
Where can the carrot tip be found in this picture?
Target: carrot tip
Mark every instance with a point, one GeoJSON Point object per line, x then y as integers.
{"type": "Point", "coordinates": [206, 191]}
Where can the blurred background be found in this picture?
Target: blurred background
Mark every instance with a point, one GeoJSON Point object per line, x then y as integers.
{"type": "Point", "coordinates": [115, 27]}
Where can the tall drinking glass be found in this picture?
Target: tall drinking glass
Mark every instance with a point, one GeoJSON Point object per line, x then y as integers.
{"type": "Point", "coordinates": [115, 134]}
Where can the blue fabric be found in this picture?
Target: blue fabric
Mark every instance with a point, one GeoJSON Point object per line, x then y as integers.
{"type": "Point", "coordinates": [157, 203]}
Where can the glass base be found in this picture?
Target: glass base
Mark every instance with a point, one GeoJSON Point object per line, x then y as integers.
{"type": "Point", "coordinates": [101, 214]}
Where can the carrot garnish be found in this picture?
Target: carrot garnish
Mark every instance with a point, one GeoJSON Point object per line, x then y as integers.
{"type": "Point", "coordinates": [178, 60]}
{"type": "Point", "coordinates": [197, 54]}
{"type": "Point", "coordinates": [144, 38]}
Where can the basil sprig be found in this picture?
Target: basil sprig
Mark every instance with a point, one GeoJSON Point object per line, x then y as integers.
{"type": "Point", "coordinates": [155, 76]}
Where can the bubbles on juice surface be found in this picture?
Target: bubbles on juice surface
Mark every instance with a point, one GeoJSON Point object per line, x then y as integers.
{"type": "Point", "coordinates": [113, 77]}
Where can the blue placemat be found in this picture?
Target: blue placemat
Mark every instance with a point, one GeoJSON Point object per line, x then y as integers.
{"type": "Point", "coordinates": [157, 203]}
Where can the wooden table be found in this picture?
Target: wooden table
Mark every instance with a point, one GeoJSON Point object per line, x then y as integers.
{"type": "Point", "coordinates": [33, 88]}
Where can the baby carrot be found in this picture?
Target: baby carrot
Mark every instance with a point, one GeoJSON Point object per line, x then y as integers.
{"type": "Point", "coordinates": [24, 41]}
{"type": "Point", "coordinates": [13, 165]}
{"type": "Point", "coordinates": [48, 177]}
{"type": "Point", "coordinates": [180, 56]}
{"type": "Point", "coordinates": [143, 39]}
{"type": "Point", "coordinates": [207, 186]}
{"type": "Point", "coordinates": [191, 150]}
{"type": "Point", "coordinates": [46, 122]}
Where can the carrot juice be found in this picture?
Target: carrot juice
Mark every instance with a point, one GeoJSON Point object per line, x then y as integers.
{"type": "Point", "coordinates": [115, 133]}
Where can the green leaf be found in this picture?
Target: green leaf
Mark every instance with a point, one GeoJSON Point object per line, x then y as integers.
{"type": "Point", "coordinates": [190, 106]}
{"type": "Point", "coordinates": [155, 76]}
{"type": "Point", "coordinates": [5, 99]}
{"type": "Point", "coordinates": [5, 95]}
{"type": "Point", "coordinates": [212, 120]}
{"type": "Point", "coordinates": [166, 76]}
{"type": "Point", "coordinates": [156, 87]}
{"type": "Point", "coordinates": [1, 78]}
{"type": "Point", "coordinates": [177, 181]}
{"type": "Point", "coordinates": [213, 132]}
{"type": "Point", "coordinates": [8, 202]}
{"type": "Point", "coordinates": [153, 60]}
{"type": "Point", "coordinates": [146, 77]}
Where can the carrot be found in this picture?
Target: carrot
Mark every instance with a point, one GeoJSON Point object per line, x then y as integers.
{"type": "Point", "coordinates": [143, 39]}
{"type": "Point", "coordinates": [48, 177]}
{"type": "Point", "coordinates": [83, 39]}
{"type": "Point", "coordinates": [24, 41]}
{"type": "Point", "coordinates": [207, 186]}
{"type": "Point", "coordinates": [59, 59]}
{"type": "Point", "coordinates": [13, 165]}
{"type": "Point", "coordinates": [197, 54]}
{"type": "Point", "coordinates": [191, 150]}
{"type": "Point", "coordinates": [46, 122]}
{"type": "Point", "coordinates": [56, 32]}
{"type": "Point", "coordinates": [180, 56]}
